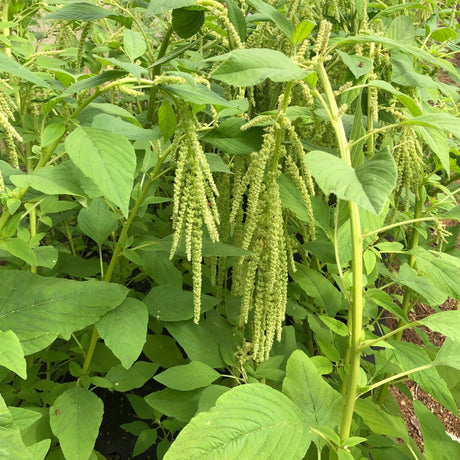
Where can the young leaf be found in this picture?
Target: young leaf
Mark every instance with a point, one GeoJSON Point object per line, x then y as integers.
{"type": "Point", "coordinates": [51, 306]}
{"type": "Point", "coordinates": [133, 44]}
{"type": "Point", "coordinates": [368, 186]}
{"type": "Point", "coordinates": [97, 221]}
{"type": "Point", "coordinates": [188, 377]}
{"type": "Point", "coordinates": [436, 442]}
{"type": "Point", "coordinates": [249, 421]}
{"type": "Point", "coordinates": [272, 13]}
{"type": "Point", "coordinates": [134, 377]}
{"type": "Point", "coordinates": [144, 441]}
{"type": "Point", "coordinates": [106, 158]}
{"type": "Point", "coordinates": [124, 330]}
{"type": "Point", "coordinates": [247, 67]}
{"type": "Point", "coordinates": [187, 21]}
{"type": "Point", "coordinates": [302, 32]}
{"type": "Point", "coordinates": [318, 401]}
{"type": "Point", "coordinates": [12, 354]}
{"type": "Point", "coordinates": [75, 418]}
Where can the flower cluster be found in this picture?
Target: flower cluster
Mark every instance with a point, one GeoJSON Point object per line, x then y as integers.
{"type": "Point", "coordinates": [7, 108]}
{"type": "Point", "coordinates": [194, 202]}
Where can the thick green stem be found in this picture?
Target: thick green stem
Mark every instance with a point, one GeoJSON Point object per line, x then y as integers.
{"type": "Point", "coordinates": [356, 308]}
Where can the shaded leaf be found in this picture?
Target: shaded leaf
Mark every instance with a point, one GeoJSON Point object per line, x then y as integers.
{"type": "Point", "coordinates": [75, 418]}
{"type": "Point", "coordinates": [12, 354]}
{"type": "Point", "coordinates": [124, 330]}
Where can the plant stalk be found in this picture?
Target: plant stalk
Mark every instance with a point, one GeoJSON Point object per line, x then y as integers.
{"type": "Point", "coordinates": [356, 308]}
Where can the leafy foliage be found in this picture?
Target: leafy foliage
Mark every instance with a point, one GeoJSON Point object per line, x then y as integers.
{"type": "Point", "coordinates": [214, 206]}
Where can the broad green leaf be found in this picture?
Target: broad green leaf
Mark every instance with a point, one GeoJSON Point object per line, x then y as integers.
{"type": "Point", "coordinates": [302, 32]}
{"type": "Point", "coordinates": [247, 67]}
{"type": "Point", "coordinates": [39, 449]}
{"type": "Point", "coordinates": [12, 354]}
{"type": "Point", "coordinates": [12, 446]}
{"type": "Point", "coordinates": [187, 21]}
{"type": "Point", "coordinates": [133, 44]}
{"type": "Point", "coordinates": [250, 421]}
{"type": "Point", "coordinates": [129, 130]}
{"type": "Point", "coordinates": [272, 13]}
{"type": "Point", "coordinates": [24, 418]}
{"type": "Point", "coordinates": [437, 444]}
{"type": "Point", "coordinates": [79, 11]}
{"type": "Point", "coordinates": [445, 322]}
{"type": "Point", "coordinates": [188, 376]}
{"type": "Point", "coordinates": [106, 158]}
{"type": "Point", "coordinates": [319, 403]}
{"type": "Point", "coordinates": [198, 340]}
{"type": "Point", "coordinates": [443, 34]}
{"type": "Point", "coordinates": [52, 133]}
{"type": "Point", "coordinates": [439, 120]}
{"type": "Point", "coordinates": [162, 349]}
{"type": "Point", "coordinates": [384, 300]}
{"type": "Point", "coordinates": [52, 306]}
{"type": "Point", "coordinates": [169, 303]}
{"type": "Point", "coordinates": [368, 186]}
{"type": "Point", "coordinates": [319, 288]}
{"type": "Point", "coordinates": [124, 330]}
{"type": "Point", "coordinates": [358, 65]}
{"type": "Point", "coordinates": [97, 221]}
{"type": "Point", "coordinates": [167, 120]}
{"type": "Point", "coordinates": [11, 67]}
{"type": "Point", "coordinates": [51, 180]}
{"type": "Point", "coordinates": [421, 284]}
{"type": "Point", "coordinates": [135, 377]}
{"type": "Point", "coordinates": [75, 418]}
{"type": "Point", "coordinates": [216, 164]}
{"type": "Point", "coordinates": [410, 356]}
{"type": "Point", "coordinates": [379, 421]}
{"type": "Point", "coordinates": [163, 6]}
{"type": "Point", "coordinates": [178, 404]}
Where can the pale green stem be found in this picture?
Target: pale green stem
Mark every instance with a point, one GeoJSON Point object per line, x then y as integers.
{"type": "Point", "coordinates": [397, 377]}
{"type": "Point", "coordinates": [370, 343]}
{"type": "Point", "coordinates": [355, 313]}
